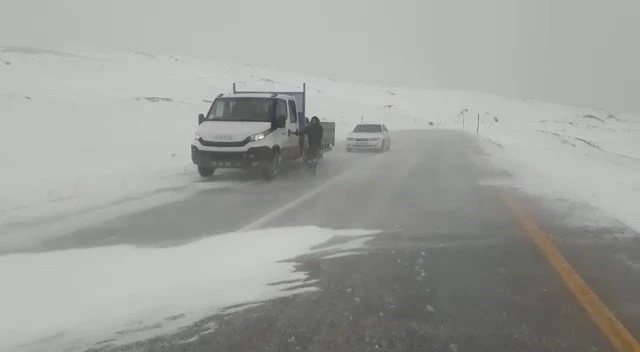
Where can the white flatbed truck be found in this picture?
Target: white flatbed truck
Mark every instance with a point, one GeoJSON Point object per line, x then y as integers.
{"type": "Point", "coordinates": [249, 130]}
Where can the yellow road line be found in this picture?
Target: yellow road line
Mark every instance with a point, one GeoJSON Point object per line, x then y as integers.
{"type": "Point", "coordinates": [619, 336]}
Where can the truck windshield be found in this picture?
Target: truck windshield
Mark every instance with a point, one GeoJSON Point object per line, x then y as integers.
{"type": "Point", "coordinates": [243, 109]}
{"type": "Point", "coordinates": [368, 128]}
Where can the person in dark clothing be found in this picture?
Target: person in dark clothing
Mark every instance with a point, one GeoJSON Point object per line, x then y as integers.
{"type": "Point", "coordinates": [314, 133]}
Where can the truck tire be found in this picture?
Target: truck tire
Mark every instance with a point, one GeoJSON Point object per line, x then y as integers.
{"type": "Point", "coordinates": [272, 171]}
{"type": "Point", "coordinates": [206, 171]}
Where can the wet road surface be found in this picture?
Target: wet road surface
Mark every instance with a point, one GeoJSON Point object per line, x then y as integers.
{"type": "Point", "coordinates": [452, 269]}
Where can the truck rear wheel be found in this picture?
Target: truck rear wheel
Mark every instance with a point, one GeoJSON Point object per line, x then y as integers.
{"type": "Point", "coordinates": [206, 171]}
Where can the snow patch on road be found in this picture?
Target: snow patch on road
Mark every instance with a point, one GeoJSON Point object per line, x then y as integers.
{"type": "Point", "coordinates": [73, 299]}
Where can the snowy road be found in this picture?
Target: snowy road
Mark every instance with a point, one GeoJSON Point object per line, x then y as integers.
{"type": "Point", "coordinates": [454, 267]}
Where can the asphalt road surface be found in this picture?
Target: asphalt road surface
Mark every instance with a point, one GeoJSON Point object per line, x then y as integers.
{"type": "Point", "coordinates": [460, 264]}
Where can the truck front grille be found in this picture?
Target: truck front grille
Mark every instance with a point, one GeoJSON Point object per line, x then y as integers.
{"type": "Point", "coordinates": [223, 144]}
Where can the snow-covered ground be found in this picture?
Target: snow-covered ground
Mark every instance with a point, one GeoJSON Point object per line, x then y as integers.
{"type": "Point", "coordinates": [84, 130]}
{"type": "Point", "coordinates": [49, 302]}
{"type": "Point", "coordinates": [570, 153]}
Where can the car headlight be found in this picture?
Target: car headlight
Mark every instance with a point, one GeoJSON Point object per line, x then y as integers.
{"type": "Point", "coordinates": [259, 136]}
{"type": "Point", "coordinates": [197, 136]}
{"type": "Point", "coordinates": [376, 139]}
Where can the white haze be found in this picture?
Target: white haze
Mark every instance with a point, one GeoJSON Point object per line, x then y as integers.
{"type": "Point", "coordinates": [580, 52]}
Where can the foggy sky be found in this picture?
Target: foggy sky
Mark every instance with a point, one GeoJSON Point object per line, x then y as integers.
{"type": "Point", "coordinates": [583, 52]}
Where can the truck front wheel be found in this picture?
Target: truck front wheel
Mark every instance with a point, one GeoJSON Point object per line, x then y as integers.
{"type": "Point", "coordinates": [206, 171]}
{"type": "Point", "coordinates": [272, 171]}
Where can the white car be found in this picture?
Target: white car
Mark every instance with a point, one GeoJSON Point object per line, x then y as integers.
{"type": "Point", "coordinates": [369, 137]}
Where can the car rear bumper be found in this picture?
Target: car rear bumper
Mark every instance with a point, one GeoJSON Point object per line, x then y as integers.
{"type": "Point", "coordinates": [253, 157]}
{"type": "Point", "coordinates": [364, 145]}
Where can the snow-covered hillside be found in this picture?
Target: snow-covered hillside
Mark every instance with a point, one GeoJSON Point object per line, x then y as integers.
{"type": "Point", "coordinates": [78, 131]}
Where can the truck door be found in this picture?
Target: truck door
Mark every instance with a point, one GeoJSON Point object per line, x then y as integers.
{"type": "Point", "coordinates": [281, 136]}
{"type": "Point", "coordinates": [293, 125]}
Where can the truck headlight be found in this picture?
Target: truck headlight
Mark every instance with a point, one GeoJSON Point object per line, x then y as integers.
{"type": "Point", "coordinates": [258, 136]}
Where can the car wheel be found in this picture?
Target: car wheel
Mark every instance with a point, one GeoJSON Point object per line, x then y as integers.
{"type": "Point", "coordinates": [206, 171]}
{"type": "Point", "coordinates": [273, 170]}
{"type": "Point", "coordinates": [383, 147]}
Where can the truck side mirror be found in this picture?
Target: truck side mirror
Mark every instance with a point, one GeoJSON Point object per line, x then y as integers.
{"type": "Point", "coordinates": [200, 119]}
{"type": "Point", "coordinates": [281, 121]}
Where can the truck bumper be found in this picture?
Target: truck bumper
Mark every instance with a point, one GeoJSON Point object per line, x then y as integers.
{"type": "Point", "coordinates": [252, 158]}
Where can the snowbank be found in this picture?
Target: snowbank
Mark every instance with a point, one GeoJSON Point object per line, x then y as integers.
{"type": "Point", "coordinates": [76, 298]}
{"type": "Point", "coordinates": [577, 154]}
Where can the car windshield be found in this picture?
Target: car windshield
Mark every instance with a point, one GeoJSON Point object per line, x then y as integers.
{"type": "Point", "coordinates": [242, 109]}
{"type": "Point", "coordinates": [368, 129]}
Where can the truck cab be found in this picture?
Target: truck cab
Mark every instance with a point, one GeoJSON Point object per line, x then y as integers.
{"type": "Point", "coordinates": [248, 130]}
